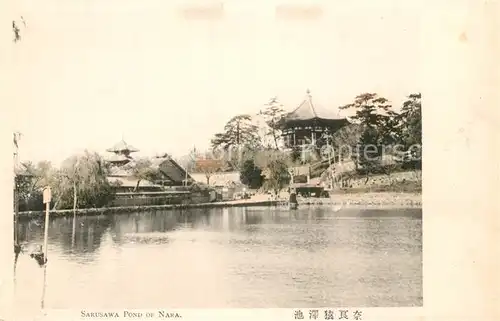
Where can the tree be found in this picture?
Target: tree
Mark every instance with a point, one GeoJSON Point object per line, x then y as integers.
{"type": "Point", "coordinates": [81, 182]}
{"type": "Point", "coordinates": [142, 169]}
{"type": "Point", "coordinates": [238, 131]}
{"type": "Point", "coordinates": [251, 175]}
{"type": "Point", "coordinates": [368, 153]}
{"type": "Point", "coordinates": [369, 109]}
{"type": "Point", "coordinates": [208, 167]}
{"type": "Point", "coordinates": [345, 139]}
{"type": "Point", "coordinates": [38, 176]}
{"type": "Point", "coordinates": [410, 120]}
{"type": "Point", "coordinates": [273, 115]}
{"type": "Point", "coordinates": [409, 132]}
{"type": "Point", "coordinates": [277, 175]}
{"type": "Point", "coordinates": [378, 124]}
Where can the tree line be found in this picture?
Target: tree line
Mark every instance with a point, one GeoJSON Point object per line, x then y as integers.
{"type": "Point", "coordinates": [256, 151]}
{"type": "Point", "coordinates": [376, 132]}
{"type": "Point", "coordinates": [80, 182]}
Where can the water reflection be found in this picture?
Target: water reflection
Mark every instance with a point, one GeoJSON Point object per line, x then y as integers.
{"type": "Point", "coordinates": [237, 257]}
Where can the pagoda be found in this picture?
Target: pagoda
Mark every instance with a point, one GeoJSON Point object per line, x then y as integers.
{"type": "Point", "coordinates": [121, 153]}
{"type": "Point", "coordinates": [304, 126]}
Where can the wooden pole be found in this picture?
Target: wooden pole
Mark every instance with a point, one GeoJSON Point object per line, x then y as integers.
{"type": "Point", "coordinates": [330, 169]}
{"type": "Point", "coordinates": [74, 198]}
{"type": "Point", "coordinates": [46, 236]}
{"type": "Point", "coordinates": [16, 190]}
{"type": "Point", "coordinates": [16, 211]}
{"type": "Point", "coordinates": [46, 199]}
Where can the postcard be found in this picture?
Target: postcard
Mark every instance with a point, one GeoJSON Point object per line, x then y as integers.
{"type": "Point", "coordinates": [234, 160]}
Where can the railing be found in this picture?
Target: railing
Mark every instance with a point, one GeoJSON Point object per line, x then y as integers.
{"type": "Point", "coordinates": [151, 193]}
{"type": "Point", "coordinates": [146, 201]}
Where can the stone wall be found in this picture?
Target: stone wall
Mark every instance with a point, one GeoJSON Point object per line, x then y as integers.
{"type": "Point", "coordinates": [384, 180]}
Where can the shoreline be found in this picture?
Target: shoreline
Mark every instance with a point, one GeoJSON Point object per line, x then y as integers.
{"type": "Point", "coordinates": [355, 200]}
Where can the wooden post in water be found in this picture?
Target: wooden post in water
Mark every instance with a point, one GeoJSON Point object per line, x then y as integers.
{"type": "Point", "coordinates": [17, 136]}
{"type": "Point", "coordinates": [75, 195]}
{"type": "Point", "coordinates": [46, 200]}
{"type": "Point", "coordinates": [47, 196]}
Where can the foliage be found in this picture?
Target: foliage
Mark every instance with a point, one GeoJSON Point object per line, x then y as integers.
{"type": "Point", "coordinates": [368, 155]}
{"type": "Point", "coordinates": [30, 183]}
{"type": "Point", "coordinates": [277, 175]}
{"type": "Point", "coordinates": [251, 175]}
{"type": "Point", "coordinates": [409, 129]}
{"type": "Point", "coordinates": [233, 158]}
{"type": "Point", "coordinates": [345, 140]}
{"type": "Point", "coordinates": [142, 169]}
{"type": "Point", "coordinates": [273, 116]}
{"type": "Point", "coordinates": [208, 167]}
{"type": "Point", "coordinates": [82, 181]}
{"type": "Point", "coordinates": [369, 108]}
{"type": "Point", "coordinates": [410, 119]}
{"type": "Point", "coordinates": [238, 131]}
{"type": "Point", "coordinates": [376, 124]}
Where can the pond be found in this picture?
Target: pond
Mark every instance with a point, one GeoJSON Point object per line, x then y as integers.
{"type": "Point", "coordinates": [226, 258]}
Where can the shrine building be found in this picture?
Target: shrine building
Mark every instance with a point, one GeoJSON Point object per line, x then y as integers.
{"type": "Point", "coordinates": [304, 126]}
{"type": "Point", "coordinates": [121, 153]}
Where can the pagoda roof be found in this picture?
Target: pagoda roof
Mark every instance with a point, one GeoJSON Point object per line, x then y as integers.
{"type": "Point", "coordinates": [117, 158]}
{"type": "Point", "coordinates": [307, 111]}
{"type": "Point", "coordinates": [122, 146]}
{"type": "Point", "coordinates": [120, 172]}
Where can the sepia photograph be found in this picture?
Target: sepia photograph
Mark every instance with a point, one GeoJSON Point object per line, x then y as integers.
{"type": "Point", "coordinates": [177, 155]}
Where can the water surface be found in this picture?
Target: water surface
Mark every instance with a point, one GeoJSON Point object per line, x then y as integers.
{"type": "Point", "coordinates": [227, 258]}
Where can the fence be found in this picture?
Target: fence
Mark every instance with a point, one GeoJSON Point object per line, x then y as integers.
{"type": "Point", "coordinates": [147, 199]}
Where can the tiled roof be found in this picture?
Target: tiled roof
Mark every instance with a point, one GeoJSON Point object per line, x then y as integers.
{"type": "Point", "coordinates": [117, 158]}
{"type": "Point", "coordinates": [122, 146]}
{"type": "Point", "coordinates": [307, 110]}
{"type": "Point", "coordinates": [304, 111]}
{"type": "Point", "coordinates": [170, 169]}
{"type": "Point", "coordinates": [120, 172]}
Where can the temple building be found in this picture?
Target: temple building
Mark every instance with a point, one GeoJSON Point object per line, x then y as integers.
{"type": "Point", "coordinates": [121, 153]}
{"type": "Point", "coordinates": [173, 173]}
{"type": "Point", "coordinates": [122, 176]}
{"type": "Point", "coordinates": [304, 126]}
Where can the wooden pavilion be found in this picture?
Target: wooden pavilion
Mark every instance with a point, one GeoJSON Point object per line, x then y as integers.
{"type": "Point", "coordinates": [304, 126]}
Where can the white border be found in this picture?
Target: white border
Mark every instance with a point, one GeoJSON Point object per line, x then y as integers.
{"type": "Point", "coordinates": [459, 50]}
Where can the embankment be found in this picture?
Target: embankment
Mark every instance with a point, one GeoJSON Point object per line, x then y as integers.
{"type": "Point", "coordinates": [386, 199]}
{"type": "Point", "coordinates": [134, 209]}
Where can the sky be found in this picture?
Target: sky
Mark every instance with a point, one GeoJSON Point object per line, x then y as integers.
{"type": "Point", "coordinates": [89, 72]}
